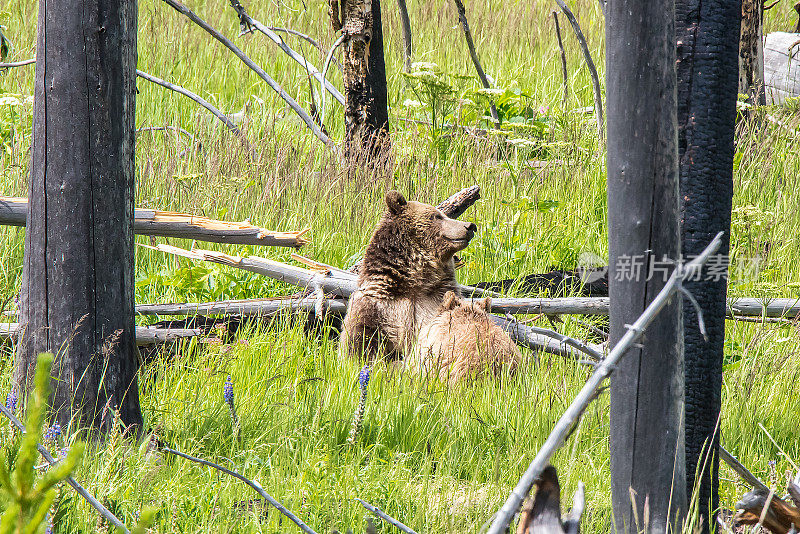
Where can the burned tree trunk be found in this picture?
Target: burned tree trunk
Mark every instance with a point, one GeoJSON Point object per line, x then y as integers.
{"type": "Point", "coordinates": [751, 52]}
{"type": "Point", "coordinates": [366, 110]}
{"type": "Point", "coordinates": [77, 291]}
{"type": "Point", "coordinates": [707, 35]}
{"type": "Point", "coordinates": [647, 387]}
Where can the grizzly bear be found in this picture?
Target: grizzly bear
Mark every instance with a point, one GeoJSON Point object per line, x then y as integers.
{"type": "Point", "coordinates": [406, 271]}
{"type": "Point", "coordinates": [462, 342]}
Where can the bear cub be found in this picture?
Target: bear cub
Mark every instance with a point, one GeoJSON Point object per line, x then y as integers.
{"type": "Point", "coordinates": [406, 271]}
{"type": "Point", "coordinates": [462, 342]}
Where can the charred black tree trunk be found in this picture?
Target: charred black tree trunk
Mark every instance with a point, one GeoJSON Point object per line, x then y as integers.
{"type": "Point", "coordinates": [366, 102]}
{"type": "Point", "coordinates": [707, 65]}
{"type": "Point", "coordinates": [647, 388]}
{"type": "Point", "coordinates": [77, 291]}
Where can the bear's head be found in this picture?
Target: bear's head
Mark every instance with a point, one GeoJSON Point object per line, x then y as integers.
{"type": "Point", "coordinates": [427, 228]}
{"type": "Point", "coordinates": [411, 250]}
{"type": "Point", "coordinates": [461, 307]}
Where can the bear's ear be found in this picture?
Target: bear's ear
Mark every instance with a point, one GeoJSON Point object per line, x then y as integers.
{"type": "Point", "coordinates": [395, 202]}
{"type": "Point", "coordinates": [450, 301]}
{"type": "Point", "coordinates": [484, 304]}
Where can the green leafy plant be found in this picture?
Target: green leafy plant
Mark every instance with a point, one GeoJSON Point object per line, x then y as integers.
{"type": "Point", "coordinates": [27, 499]}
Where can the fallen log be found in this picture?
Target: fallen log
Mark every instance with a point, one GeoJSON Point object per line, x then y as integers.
{"type": "Point", "coordinates": [328, 282]}
{"type": "Point", "coordinates": [144, 335]}
{"type": "Point", "coordinates": [247, 308]}
{"type": "Point", "coordinates": [781, 66]}
{"type": "Point", "coordinates": [767, 509]}
{"type": "Point", "coordinates": [14, 210]}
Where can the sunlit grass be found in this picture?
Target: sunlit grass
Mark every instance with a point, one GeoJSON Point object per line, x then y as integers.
{"type": "Point", "coordinates": [440, 460]}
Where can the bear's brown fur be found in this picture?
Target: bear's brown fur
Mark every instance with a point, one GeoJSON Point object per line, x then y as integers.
{"type": "Point", "coordinates": [406, 271]}
{"type": "Point", "coordinates": [462, 342]}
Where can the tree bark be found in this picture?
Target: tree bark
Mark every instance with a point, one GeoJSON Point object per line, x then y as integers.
{"type": "Point", "coordinates": [405, 23]}
{"type": "Point", "coordinates": [707, 36]}
{"type": "Point", "coordinates": [77, 291]}
{"type": "Point", "coordinates": [646, 440]}
{"type": "Point", "coordinates": [366, 99]}
{"type": "Point", "coordinates": [751, 52]}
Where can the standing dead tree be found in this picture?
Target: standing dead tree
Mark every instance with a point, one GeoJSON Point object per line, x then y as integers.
{"type": "Point", "coordinates": [572, 415]}
{"type": "Point", "coordinates": [646, 458]}
{"type": "Point", "coordinates": [366, 99]}
{"type": "Point", "coordinates": [77, 297]}
{"type": "Point", "coordinates": [751, 52]}
{"type": "Point", "coordinates": [707, 33]}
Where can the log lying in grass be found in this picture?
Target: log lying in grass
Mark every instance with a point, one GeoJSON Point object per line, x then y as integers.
{"type": "Point", "coordinates": [761, 507]}
{"type": "Point", "coordinates": [247, 308]}
{"type": "Point", "coordinates": [742, 307]}
{"type": "Point", "coordinates": [329, 282]}
{"type": "Point", "coordinates": [13, 211]}
{"type": "Point", "coordinates": [144, 335]}
{"type": "Point", "coordinates": [781, 66]}
{"type": "Point", "coordinates": [341, 284]}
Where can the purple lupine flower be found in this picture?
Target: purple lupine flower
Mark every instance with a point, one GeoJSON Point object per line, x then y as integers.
{"type": "Point", "coordinates": [53, 433]}
{"type": "Point", "coordinates": [228, 391]}
{"type": "Point", "coordinates": [11, 399]}
{"type": "Point", "coordinates": [363, 376]}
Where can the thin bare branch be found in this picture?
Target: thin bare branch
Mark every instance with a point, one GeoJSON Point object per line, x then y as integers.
{"type": "Point", "coordinates": [386, 517]}
{"type": "Point", "coordinates": [252, 483]}
{"type": "Point", "coordinates": [325, 66]}
{"type": "Point", "coordinates": [180, 8]}
{"type": "Point", "coordinates": [187, 93]}
{"type": "Point", "coordinates": [564, 72]}
{"type": "Point", "coordinates": [247, 20]}
{"type": "Point", "coordinates": [462, 17]}
{"type": "Point", "coordinates": [18, 63]}
{"type": "Point", "coordinates": [598, 98]}
{"type": "Point", "coordinates": [105, 512]}
{"type": "Point", "coordinates": [144, 335]}
{"type": "Point", "coordinates": [741, 470]}
{"type": "Point", "coordinates": [405, 23]}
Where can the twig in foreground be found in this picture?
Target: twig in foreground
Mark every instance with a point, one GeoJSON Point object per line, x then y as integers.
{"type": "Point", "coordinates": [111, 518]}
{"type": "Point", "coordinates": [598, 99]}
{"type": "Point", "coordinates": [253, 484]}
{"type": "Point", "coordinates": [180, 8]}
{"type": "Point", "coordinates": [573, 413]}
{"type": "Point", "coordinates": [386, 517]}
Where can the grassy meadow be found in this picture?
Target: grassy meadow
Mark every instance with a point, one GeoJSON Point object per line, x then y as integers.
{"type": "Point", "coordinates": [438, 459]}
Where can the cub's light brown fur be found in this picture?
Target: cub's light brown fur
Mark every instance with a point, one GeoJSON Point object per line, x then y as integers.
{"type": "Point", "coordinates": [406, 271]}
{"type": "Point", "coordinates": [462, 342]}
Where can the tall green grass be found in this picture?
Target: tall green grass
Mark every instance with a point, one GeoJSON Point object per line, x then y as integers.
{"type": "Point", "coordinates": [440, 460]}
